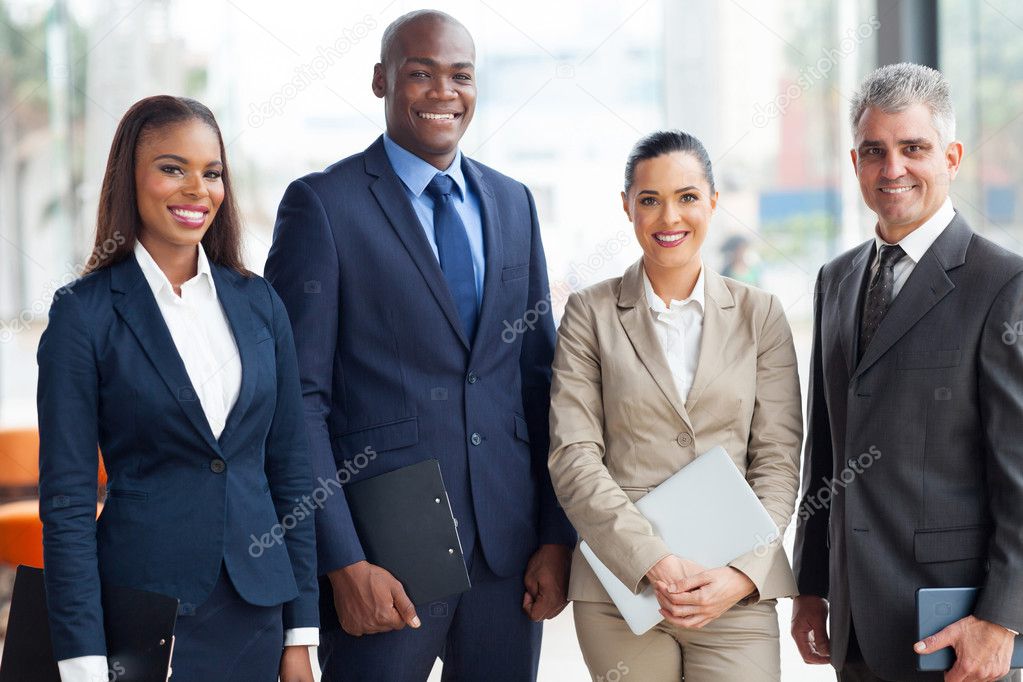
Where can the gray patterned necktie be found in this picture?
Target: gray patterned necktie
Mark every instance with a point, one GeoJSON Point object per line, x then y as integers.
{"type": "Point", "coordinates": [879, 293]}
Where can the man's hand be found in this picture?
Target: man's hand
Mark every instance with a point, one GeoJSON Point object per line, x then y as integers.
{"type": "Point", "coordinates": [983, 649]}
{"type": "Point", "coordinates": [368, 599]}
{"type": "Point", "coordinates": [295, 665]}
{"type": "Point", "coordinates": [546, 582]}
{"type": "Point", "coordinates": [810, 628]}
{"type": "Point", "coordinates": [700, 599]}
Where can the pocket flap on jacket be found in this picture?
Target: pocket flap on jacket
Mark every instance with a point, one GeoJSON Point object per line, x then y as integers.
{"type": "Point", "coordinates": [514, 272]}
{"type": "Point", "coordinates": [389, 436]}
{"type": "Point", "coordinates": [951, 544]}
{"type": "Point", "coordinates": [929, 359]}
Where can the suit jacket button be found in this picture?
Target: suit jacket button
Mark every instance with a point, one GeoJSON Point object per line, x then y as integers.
{"type": "Point", "coordinates": [473, 377]}
{"type": "Point", "coordinates": [684, 439]}
{"type": "Point", "coordinates": [475, 439]}
{"type": "Point", "coordinates": [217, 465]}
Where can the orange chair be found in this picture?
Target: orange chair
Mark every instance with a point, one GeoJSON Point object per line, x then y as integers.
{"type": "Point", "coordinates": [21, 530]}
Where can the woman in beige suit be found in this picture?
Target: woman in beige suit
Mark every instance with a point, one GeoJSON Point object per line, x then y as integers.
{"type": "Point", "coordinates": [651, 370]}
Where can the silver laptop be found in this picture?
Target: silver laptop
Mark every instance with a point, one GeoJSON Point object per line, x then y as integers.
{"type": "Point", "coordinates": [706, 513]}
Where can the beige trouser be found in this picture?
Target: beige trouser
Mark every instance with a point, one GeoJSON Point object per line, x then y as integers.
{"type": "Point", "coordinates": [740, 646]}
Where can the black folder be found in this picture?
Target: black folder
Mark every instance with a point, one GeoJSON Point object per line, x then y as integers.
{"type": "Point", "coordinates": [139, 629]}
{"type": "Point", "coordinates": [405, 524]}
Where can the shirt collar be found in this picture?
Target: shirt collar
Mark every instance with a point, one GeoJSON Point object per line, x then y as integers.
{"type": "Point", "coordinates": [916, 243]}
{"type": "Point", "coordinates": [416, 173]}
{"type": "Point", "coordinates": [657, 305]}
{"type": "Point", "coordinates": [158, 281]}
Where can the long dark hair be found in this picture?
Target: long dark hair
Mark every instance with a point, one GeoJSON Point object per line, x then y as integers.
{"type": "Point", "coordinates": [118, 222]}
{"type": "Point", "coordinates": [666, 142]}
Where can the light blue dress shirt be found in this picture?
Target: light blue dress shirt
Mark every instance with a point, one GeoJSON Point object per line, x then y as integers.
{"type": "Point", "coordinates": [415, 175]}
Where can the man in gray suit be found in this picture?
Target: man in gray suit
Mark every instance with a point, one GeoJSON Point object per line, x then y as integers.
{"type": "Point", "coordinates": [913, 471]}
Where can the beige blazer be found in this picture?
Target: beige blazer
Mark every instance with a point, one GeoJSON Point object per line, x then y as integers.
{"type": "Point", "coordinates": [619, 428]}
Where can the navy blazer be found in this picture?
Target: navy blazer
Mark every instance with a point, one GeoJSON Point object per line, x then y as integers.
{"type": "Point", "coordinates": [388, 376]}
{"type": "Point", "coordinates": [179, 502]}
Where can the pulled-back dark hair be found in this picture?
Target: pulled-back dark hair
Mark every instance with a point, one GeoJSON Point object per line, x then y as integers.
{"type": "Point", "coordinates": [118, 222]}
{"type": "Point", "coordinates": [664, 142]}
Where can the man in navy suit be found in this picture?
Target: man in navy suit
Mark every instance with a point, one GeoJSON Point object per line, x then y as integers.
{"type": "Point", "coordinates": [400, 268]}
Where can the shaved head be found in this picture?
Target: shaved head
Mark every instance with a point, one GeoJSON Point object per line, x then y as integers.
{"type": "Point", "coordinates": [390, 42]}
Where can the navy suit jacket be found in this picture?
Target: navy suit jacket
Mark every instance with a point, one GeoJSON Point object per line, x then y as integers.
{"type": "Point", "coordinates": [388, 376]}
{"type": "Point", "coordinates": [179, 501]}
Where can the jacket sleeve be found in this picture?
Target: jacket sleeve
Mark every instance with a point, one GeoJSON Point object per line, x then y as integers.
{"type": "Point", "coordinates": [68, 408]}
{"type": "Point", "coordinates": [811, 554]}
{"type": "Point", "coordinates": [303, 268]}
{"type": "Point", "coordinates": [290, 474]}
{"type": "Point", "coordinates": [1001, 409]}
{"type": "Point", "coordinates": [776, 432]}
{"type": "Point", "coordinates": [599, 509]}
{"type": "Point", "coordinates": [535, 366]}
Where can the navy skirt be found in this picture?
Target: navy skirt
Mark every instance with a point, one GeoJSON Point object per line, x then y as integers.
{"type": "Point", "coordinates": [226, 639]}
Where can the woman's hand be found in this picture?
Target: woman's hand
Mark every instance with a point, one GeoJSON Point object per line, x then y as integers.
{"type": "Point", "coordinates": [672, 570]}
{"type": "Point", "coordinates": [700, 599]}
{"type": "Point", "coordinates": [295, 664]}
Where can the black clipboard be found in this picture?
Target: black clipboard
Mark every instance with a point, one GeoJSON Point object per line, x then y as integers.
{"type": "Point", "coordinates": [139, 629]}
{"type": "Point", "coordinates": [405, 524]}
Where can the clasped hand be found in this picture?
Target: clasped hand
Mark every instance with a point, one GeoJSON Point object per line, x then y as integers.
{"type": "Point", "coordinates": [691, 596]}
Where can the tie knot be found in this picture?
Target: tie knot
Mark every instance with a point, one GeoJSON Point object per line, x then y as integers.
{"type": "Point", "coordinates": [441, 186]}
{"type": "Point", "coordinates": [890, 255]}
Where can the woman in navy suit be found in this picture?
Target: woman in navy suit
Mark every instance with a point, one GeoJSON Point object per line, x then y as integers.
{"type": "Point", "coordinates": [180, 365]}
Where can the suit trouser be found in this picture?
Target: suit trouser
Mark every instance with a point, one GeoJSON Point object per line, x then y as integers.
{"type": "Point", "coordinates": [227, 639]}
{"type": "Point", "coordinates": [741, 645]}
{"type": "Point", "coordinates": [855, 669]}
{"type": "Point", "coordinates": [482, 634]}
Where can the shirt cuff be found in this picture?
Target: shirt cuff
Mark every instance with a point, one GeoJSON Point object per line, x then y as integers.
{"type": "Point", "coordinates": [1014, 633]}
{"type": "Point", "coordinates": [83, 669]}
{"type": "Point", "coordinates": [298, 637]}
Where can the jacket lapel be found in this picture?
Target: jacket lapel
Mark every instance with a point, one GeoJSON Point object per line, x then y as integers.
{"type": "Point", "coordinates": [390, 194]}
{"type": "Point", "coordinates": [850, 299]}
{"type": "Point", "coordinates": [928, 284]}
{"type": "Point", "coordinates": [244, 326]}
{"type": "Point", "coordinates": [137, 306]}
{"type": "Point", "coordinates": [633, 311]}
{"type": "Point", "coordinates": [717, 325]}
{"type": "Point", "coordinates": [493, 248]}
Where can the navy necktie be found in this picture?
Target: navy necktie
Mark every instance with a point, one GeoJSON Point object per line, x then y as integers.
{"type": "Point", "coordinates": [879, 293]}
{"type": "Point", "coordinates": [454, 252]}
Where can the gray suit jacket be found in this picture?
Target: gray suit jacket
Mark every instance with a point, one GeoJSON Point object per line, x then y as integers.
{"type": "Point", "coordinates": [913, 466]}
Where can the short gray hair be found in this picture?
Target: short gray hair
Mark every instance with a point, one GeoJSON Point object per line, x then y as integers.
{"type": "Point", "coordinates": [894, 87]}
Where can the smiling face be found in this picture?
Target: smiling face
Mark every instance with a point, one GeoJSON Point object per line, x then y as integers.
{"type": "Point", "coordinates": [428, 84]}
{"type": "Point", "coordinates": [670, 204]}
{"type": "Point", "coordinates": [178, 184]}
{"type": "Point", "coordinates": [904, 170]}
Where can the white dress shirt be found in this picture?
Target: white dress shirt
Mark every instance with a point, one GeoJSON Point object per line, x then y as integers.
{"type": "Point", "coordinates": [915, 244]}
{"type": "Point", "coordinates": [204, 340]}
{"type": "Point", "coordinates": [679, 328]}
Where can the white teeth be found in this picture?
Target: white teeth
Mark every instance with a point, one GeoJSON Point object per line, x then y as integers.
{"type": "Point", "coordinates": [895, 190]}
{"type": "Point", "coordinates": [188, 215]}
{"type": "Point", "coordinates": [436, 117]}
{"type": "Point", "coordinates": [668, 237]}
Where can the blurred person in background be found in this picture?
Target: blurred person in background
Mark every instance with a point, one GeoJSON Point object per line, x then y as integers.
{"type": "Point", "coordinates": [180, 365]}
